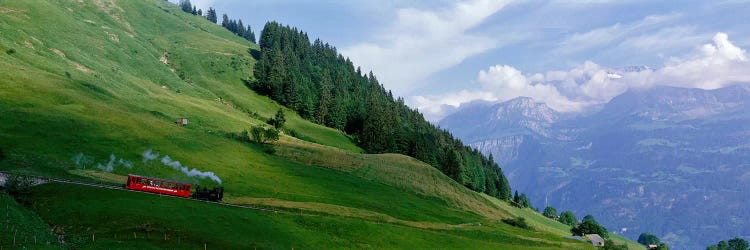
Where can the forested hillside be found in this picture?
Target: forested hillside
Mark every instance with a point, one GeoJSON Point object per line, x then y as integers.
{"type": "Point", "coordinates": [325, 87]}
{"type": "Point", "coordinates": [91, 90]}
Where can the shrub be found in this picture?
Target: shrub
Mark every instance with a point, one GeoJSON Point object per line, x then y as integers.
{"type": "Point", "coordinates": [10, 51]}
{"type": "Point", "coordinates": [261, 135]}
{"type": "Point", "coordinates": [278, 120]}
{"type": "Point", "coordinates": [519, 222]}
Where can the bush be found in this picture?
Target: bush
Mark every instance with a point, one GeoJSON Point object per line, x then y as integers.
{"type": "Point", "coordinates": [261, 135]}
{"type": "Point", "coordinates": [243, 136]}
{"type": "Point", "coordinates": [10, 51]}
{"type": "Point", "coordinates": [610, 245]}
{"type": "Point", "coordinates": [519, 222]}
{"type": "Point", "coordinates": [278, 120]}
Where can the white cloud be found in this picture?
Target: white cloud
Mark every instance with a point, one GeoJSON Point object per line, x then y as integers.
{"type": "Point", "coordinates": [714, 65]}
{"type": "Point", "coordinates": [608, 35]}
{"type": "Point", "coordinates": [422, 42]}
{"type": "Point", "coordinates": [664, 39]}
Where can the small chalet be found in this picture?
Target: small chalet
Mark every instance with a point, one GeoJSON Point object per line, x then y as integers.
{"type": "Point", "coordinates": [182, 122]}
{"type": "Point", "coordinates": [596, 240]}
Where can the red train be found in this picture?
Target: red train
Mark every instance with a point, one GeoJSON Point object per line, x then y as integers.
{"type": "Point", "coordinates": [159, 186]}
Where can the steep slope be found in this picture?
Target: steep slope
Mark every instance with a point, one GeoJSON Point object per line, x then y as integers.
{"type": "Point", "coordinates": [90, 90]}
{"type": "Point", "coordinates": [656, 160]}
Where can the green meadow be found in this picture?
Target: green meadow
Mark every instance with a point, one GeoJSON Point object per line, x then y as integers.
{"type": "Point", "coordinates": [91, 84]}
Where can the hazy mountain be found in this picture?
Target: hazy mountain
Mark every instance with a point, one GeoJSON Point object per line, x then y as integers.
{"type": "Point", "coordinates": [667, 160]}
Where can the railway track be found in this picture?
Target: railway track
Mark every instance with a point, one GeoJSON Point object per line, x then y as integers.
{"type": "Point", "coordinates": [39, 180]}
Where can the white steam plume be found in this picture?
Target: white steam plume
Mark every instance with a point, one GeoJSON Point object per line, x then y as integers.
{"type": "Point", "coordinates": [148, 155]}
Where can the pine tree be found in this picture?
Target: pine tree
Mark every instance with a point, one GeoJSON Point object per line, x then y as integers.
{"type": "Point", "coordinates": [249, 34]}
{"type": "Point", "coordinates": [240, 29]}
{"type": "Point", "coordinates": [291, 71]}
{"type": "Point", "coordinates": [200, 12]}
{"type": "Point", "coordinates": [211, 15]}
{"type": "Point", "coordinates": [194, 11]}
{"type": "Point", "coordinates": [225, 21]}
{"type": "Point", "coordinates": [186, 6]}
{"type": "Point", "coordinates": [324, 100]}
{"type": "Point", "coordinates": [525, 201]}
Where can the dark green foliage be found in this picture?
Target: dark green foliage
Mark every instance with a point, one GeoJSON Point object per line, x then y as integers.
{"type": "Point", "coordinates": [610, 245]}
{"type": "Point", "coordinates": [186, 6]}
{"type": "Point", "coordinates": [225, 21]}
{"type": "Point", "coordinates": [525, 203]}
{"type": "Point", "coordinates": [211, 15]}
{"type": "Point", "coordinates": [519, 222]}
{"type": "Point", "coordinates": [10, 51]}
{"type": "Point", "coordinates": [262, 135]}
{"type": "Point", "coordinates": [648, 239]}
{"type": "Point", "coordinates": [243, 136]}
{"type": "Point", "coordinates": [550, 212]}
{"type": "Point", "coordinates": [662, 246]}
{"type": "Point", "coordinates": [235, 26]}
{"type": "Point", "coordinates": [521, 200]}
{"type": "Point", "coordinates": [323, 86]}
{"type": "Point", "coordinates": [270, 135]}
{"type": "Point", "coordinates": [738, 244]}
{"type": "Point", "coordinates": [2, 154]}
{"type": "Point", "coordinates": [68, 75]}
{"type": "Point", "coordinates": [589, 226]}
{"type": "Point", "coordinates": [278, 120]}
{"type": "Point", "coordinates": [19, 187]}
{"type": "Point", "coordinates": [733, 244]}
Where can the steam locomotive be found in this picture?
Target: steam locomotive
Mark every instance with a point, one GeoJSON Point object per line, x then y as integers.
{"type": "Point", "coordinates": [174, 188]}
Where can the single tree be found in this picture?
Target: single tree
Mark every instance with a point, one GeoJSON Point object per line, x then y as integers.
{"type": "Point", "coordinates": [278, 120]}
{"type": "Point", "coordinates": [738, 244]}
{"type": "Point", "coordinates": [186, 6]}
{"type": "Point", "coordinates": [550, 212]}
{"type": "Point", "coordinates": [211, 15]}
{"type": "Point", "coordinates": [225, 21]}
{"type": "Point", "coordinates": [589, 226]}
{"type": "Point", "coordinates": [648, 239]}
{"type": "Point", "coordinates": [516, 199]}
{"type": "Point", "coordinates": [525, 203]}
{"type": "Point", "coordinates": [568, 218]}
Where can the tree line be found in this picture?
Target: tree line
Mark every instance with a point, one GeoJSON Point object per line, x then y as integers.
{"type": "Point", "coordinates": [235, 26]}
{"type": "Point", "coordinates": [317, 82]}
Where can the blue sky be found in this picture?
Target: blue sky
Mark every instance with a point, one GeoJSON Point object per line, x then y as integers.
{"type": "Point", "coordinates": [566, 53]}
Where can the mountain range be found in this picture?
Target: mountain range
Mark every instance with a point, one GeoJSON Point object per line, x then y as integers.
{"type": "Point", "coordinates": [667, 160]}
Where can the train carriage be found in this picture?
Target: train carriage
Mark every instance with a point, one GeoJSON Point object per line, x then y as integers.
{"type": "Point", "coordinates": [159, 186]}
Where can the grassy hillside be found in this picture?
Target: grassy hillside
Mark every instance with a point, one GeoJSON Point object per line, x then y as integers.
{"type": "Point", "coordinates": [91, 84]}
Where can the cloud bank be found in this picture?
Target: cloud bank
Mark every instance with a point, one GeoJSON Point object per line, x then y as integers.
{"type": "Point", "coordinates": [420, 43]}
{"type": "Point", "coordinates": [714, 65]}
